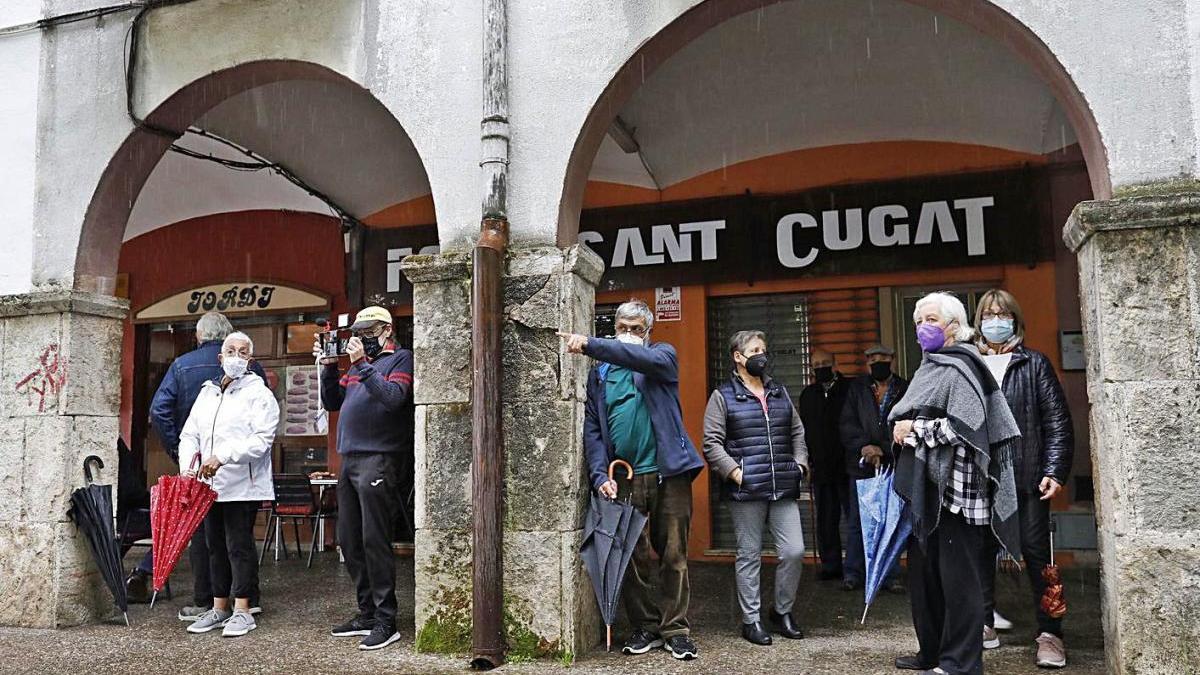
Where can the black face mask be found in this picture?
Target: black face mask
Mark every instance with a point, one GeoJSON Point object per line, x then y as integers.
{"type": "Point", "coordinates": [881, 370]}
{"type": "Point", "coordinates": [756, 365]}
{"type": "Point", "coordinates": [824, 374]}
{"type": "Point", "coordinates": [373, 346]}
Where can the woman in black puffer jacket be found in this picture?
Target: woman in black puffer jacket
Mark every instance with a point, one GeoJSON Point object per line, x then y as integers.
{"type": "Point", "coordinates": [754, 440]}
{"type": "Point", "coordinates": [1043, 461]}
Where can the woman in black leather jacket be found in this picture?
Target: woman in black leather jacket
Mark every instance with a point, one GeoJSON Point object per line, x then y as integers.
{"type": "Point", "coordinates": [1042, 464]}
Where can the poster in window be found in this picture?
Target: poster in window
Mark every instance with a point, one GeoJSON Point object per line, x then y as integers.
{"type": "Point", "coordinates": [298, 410]}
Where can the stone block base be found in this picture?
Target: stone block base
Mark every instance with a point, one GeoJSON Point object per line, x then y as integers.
{"type": "Point", "coordinates": [59, 405]}
{"type": "Point", "coordinates": [549, 607]}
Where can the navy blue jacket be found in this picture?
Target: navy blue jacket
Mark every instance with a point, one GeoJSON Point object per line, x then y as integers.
{"type": "Point", "coordinates": [179, 388]}
{"type": "Point", "coordinates": [656, 375]}
{"type": "Point", "coordinates": [375, 403]}
{"type": "Point", "coordinates": [760, 443]}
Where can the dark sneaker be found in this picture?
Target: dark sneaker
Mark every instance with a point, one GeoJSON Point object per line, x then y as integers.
{"type": "Point", "coordinates": [682, 648]}
{"type": "Point", "coordinates": [191, 613]}
{"type": "Point", "coordinates": [381, 636]}
{"type": "Point", "coordinates": [641, 642]}
{"type": "Point", "coordinates": [137, 587]}
{"type": "Point", "coordinates": [358, 626]}
{"type": "Point", "coordinates": [851, 584]}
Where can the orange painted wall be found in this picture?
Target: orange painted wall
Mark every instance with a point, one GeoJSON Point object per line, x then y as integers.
{"type": "Point", "coordinates": [819, 167]}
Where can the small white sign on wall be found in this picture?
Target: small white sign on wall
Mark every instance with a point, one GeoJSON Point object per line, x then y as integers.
{"type": "Point", "coordinates": [668, 304]}
{"type": "Point", "coordinates": [1071, 342]}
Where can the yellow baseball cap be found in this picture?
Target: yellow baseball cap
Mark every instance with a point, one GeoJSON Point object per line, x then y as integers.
{"type": "Point", "coordinates": [369, 316]}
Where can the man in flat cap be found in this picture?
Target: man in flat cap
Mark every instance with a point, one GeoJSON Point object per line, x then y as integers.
{"type": "Point", "coordinates": [867, 437]}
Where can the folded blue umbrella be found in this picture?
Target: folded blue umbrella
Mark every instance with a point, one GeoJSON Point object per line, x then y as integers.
{"type": "Point", "coordinates": [886, 526]}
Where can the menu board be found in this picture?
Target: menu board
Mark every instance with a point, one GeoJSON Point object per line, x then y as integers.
{"type": "Point", "coordinates": [298, 410]}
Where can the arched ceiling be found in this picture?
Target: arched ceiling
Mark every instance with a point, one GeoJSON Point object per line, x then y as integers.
{"type": "Point", "coordinates": [798, 75]}
{"type": "Point", "coordinates": [789, 76]}
{"type": "Point", "coordinates": [341, 141]}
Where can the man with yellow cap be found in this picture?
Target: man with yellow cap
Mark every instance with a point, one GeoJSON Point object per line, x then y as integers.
{"type": "Point", "coordinates": [375, 441]}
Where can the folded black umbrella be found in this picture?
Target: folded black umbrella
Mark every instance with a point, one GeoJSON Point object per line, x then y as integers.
{"type": "Point", "coordinates": [92, 512]}
{"type": "Point", "coordinates": [610, 533]}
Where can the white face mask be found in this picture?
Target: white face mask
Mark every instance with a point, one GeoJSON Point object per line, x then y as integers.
{"type": "Point", "coordinates": [630, 339]}
{"type": "Point", "coordinates": [234, 366]}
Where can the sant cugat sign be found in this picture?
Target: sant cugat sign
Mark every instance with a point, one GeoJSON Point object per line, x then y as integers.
{"type": "Point", "coordinates": [932, 222]}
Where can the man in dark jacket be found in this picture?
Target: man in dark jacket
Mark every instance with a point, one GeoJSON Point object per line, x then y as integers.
{"type": "Point", "coordinates": [169, 409]}
{"type": "Point", "coordinates": [633, 414]}
{"type": "Point", "coordinates": [867, 437]}
{"type": "Point", "coordinates": [820, 409]}
{"type": "Point", "coordinates": [375, 442]}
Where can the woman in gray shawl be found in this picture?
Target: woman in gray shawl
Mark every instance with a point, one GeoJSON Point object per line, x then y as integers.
{"type": "Point", "coordinates": [955, 472]}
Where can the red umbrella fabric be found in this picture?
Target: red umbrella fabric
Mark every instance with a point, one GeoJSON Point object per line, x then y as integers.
{"type": "Point", "coordinates": [178, 505]}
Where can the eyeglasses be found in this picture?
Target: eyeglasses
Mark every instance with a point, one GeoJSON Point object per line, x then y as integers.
{"type": "Point", "coordinates": [994, 315]}
{"type": "Point", "coordinates": [636, 330]}
{"type": "Point", "coordinates": [370, 332]}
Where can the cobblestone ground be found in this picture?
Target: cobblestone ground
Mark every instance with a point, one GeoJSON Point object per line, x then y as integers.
{"type": "Point", "coordinates": [301, 604]}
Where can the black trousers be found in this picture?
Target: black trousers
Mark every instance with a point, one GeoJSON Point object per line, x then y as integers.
{"type": "Point", "coordinates": [233, 558]}
{"type": "Point", "coordinates": [947, 601]}
{"type": "Point", "coordinates": [202, 594]}
{"type": "Point", "coordinates": [831, 500]}
{"type": "Point", "coordinates": [1033, 515]}
{"type": "Point", "coordinates": [368, 492]}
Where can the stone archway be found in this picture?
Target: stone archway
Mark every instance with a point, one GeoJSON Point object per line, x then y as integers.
{"type": "Point", "coordinates": [67, 354]}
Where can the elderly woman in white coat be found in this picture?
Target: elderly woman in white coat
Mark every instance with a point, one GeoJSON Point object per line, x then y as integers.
{"type": "Point", "coordinates": [231, 427]}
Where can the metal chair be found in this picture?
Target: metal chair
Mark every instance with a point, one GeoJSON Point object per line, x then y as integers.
{"type": "Point", "coordinates": [295, 501]}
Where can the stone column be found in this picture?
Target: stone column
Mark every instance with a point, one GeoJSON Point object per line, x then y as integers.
{"type": "Point", "coordinates": [549, 607]}
{"type": "Point", "coordinates": [1139, 268]}
{"type": "Point", "coordinates": [59, 363]}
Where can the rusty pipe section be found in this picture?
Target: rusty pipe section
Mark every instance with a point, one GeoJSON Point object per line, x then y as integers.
{"type": "Point", "coordinates": [487, 307]}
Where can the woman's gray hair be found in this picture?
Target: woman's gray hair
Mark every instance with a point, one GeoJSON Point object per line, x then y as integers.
{"type": "Point", "coordinates": [951, 309]}
{"type": "Point", "coordinates": [213, 326]}
{"type": "Point", "coordinates": [739, 340]}
{"type": "Point", "coordinates": [238, 336]}
{"type": "Point", "coordinates": [635, 309]}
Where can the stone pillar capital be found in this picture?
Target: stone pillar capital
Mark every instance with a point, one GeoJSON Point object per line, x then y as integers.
{"type": "Point", "coordinates": [1144, 210]}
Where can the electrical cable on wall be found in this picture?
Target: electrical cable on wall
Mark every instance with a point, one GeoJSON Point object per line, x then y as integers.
{"type": "Point", "coordinates": [258, 163]}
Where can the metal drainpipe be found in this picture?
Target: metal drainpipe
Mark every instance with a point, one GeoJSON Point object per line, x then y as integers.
{"type": "Point", "coordinates": [487, 305]}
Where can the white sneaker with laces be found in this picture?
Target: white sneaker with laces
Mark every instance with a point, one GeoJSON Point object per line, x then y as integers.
{"type": "Point", "coordinates": [990, 639]}
{"type": "Point", "coordinates": [999, 622]}
{"type": "Point", "coordinates": [210, 620]}
{"type": "Point", "coordinates": [239, 624]}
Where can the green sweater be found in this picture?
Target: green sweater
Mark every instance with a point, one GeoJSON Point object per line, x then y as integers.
{"type": "Point", "coordinates": [629, 422]}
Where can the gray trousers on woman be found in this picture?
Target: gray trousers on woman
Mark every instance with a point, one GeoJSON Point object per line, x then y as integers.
{"type": "Point", "coordinates": [749, 518]}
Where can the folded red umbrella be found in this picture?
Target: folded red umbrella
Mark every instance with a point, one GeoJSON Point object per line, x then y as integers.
{"type": "Point", "coordinates": [178, 505]}
{"type": "Point", "coordinates": [1052, 602]}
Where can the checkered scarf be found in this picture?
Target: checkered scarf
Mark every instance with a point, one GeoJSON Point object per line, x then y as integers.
{"type": "Point", "coordinates": [955, 384]}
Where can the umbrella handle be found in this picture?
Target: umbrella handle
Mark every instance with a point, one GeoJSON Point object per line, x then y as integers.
{"type": "Point", "coordinates": [628, 469]}
{"type": "Point", "coordinates": [87, 467]}
{"type": "Point", "coordinates": [195, 460]}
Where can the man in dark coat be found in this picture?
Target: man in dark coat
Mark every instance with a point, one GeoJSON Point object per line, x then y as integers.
{"type": "Point", "coordinates": [867, 437]}
{"type": "Point", "coordinates": [820, 410]}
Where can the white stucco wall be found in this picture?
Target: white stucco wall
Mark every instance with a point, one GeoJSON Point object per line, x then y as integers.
{"type": "Point", "coordinates": [19, 57]}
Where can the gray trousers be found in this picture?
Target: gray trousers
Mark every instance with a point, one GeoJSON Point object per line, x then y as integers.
{"type": "Point", "coordinates": [749, 518]}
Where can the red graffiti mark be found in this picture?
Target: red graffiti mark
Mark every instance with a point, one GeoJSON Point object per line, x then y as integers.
{"type": "Point", "coordinates": [47, 380]}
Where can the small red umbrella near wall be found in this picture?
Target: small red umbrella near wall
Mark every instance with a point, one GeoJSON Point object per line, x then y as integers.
{"type": "Point", "coordinates": [1053, 603]}
{"type": "Point", "coordinates": [178, 505]}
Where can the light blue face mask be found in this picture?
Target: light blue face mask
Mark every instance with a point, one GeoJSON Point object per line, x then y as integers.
{"type": "Point", "coordinates": [997, 331]}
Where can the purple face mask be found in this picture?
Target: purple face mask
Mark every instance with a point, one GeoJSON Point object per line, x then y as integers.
{"type": "Point", "coordinates": [930, 337]}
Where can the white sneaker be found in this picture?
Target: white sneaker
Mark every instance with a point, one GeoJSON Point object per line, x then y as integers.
{"type": "Point", "coordinates": [239, 624]}
{"type": "Point", "coordinates": [210, 620]}
{"type": "Point", "coordinates": [1000, 623]}
{"type": "Point", "coordinates": [990, 639]}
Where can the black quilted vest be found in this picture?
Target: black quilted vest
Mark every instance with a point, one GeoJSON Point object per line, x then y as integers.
{"type": "Point", "coordinates": [760, 442]}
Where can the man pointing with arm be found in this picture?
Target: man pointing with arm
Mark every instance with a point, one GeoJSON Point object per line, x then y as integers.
{"type": "Point", "coordinates": [633, 413]}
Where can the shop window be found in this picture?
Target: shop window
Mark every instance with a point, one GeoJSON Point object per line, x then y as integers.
{"type": "Point", "coordinates": [300, 336]}
{"type": "Point", "coordinates": [605, 322]}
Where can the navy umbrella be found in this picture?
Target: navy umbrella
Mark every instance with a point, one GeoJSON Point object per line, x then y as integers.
{"type": "Point", "coordinates": [610, 534]}
{"type": "Point", "coordinates": [886, 526]}
{"type": "Point", "coordinates": [92, 512]}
